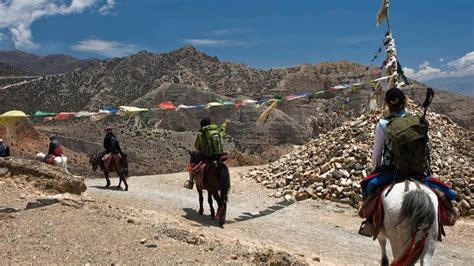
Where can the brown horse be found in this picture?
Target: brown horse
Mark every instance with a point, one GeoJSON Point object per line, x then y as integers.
{"type": "Point", "coordinates": [216, 179]}
{"type": "Point", "coordinates": [115, 165]}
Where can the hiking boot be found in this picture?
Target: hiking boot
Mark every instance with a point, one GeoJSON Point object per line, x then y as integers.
{"type": "Point", "coordinates": [367, 229]}
{"type": "Point", "coordinates": [189, 184]}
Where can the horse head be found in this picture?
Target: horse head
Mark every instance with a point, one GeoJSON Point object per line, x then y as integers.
{"type": "Point", "coordinates": [40, 156]}
{"type": "Point", "coordinates": [93, 161]}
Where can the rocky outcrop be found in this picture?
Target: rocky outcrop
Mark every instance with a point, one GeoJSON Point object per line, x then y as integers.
{"type": "Point", "coordinates": [44, 176]}
{"type": "Point", "coordinates": [7, 70]}
{"type": "Point", "coordinates": [332, 166]}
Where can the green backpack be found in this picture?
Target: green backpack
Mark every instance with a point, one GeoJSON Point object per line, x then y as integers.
{"type": "Point", "coordinates": [213, 140]}
{"type": "Point", "coordinates": [409, 139]}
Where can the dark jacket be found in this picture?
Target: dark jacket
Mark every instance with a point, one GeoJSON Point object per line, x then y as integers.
{"type": "Point", "coordinates": [52, 147]}
{"type": "Point", "coordinates": [111, 143]}
{"type": "Point", "coordinates": [4, 150]}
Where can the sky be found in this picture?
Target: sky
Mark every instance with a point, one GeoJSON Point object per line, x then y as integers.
{"type": "Point", "coordinates": [434, 38]}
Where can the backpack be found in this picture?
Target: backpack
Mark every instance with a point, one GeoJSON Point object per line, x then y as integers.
{"type": "Point", "coordinates": [214, 145]}
{"type": "Point", "coordinates": [408, 136]}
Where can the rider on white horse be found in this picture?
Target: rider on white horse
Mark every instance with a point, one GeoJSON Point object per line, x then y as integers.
{"type": "Point", "coordinates": [55, 154]}
{"type": "Point", "coordinates": [383, 157]}
{"type": "Point", "coordinates": [54, 148]}
{"type": "Point", "coordinates": [404, 213]}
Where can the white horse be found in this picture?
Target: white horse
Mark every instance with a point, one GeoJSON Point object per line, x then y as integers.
{"type": "Point", "coordinates": [411, 218]}
{"type": "Point", "coordinates": [59, 161]}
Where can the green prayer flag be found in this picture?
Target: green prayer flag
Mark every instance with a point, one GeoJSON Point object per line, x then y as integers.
{"type": "Point", "coordinates": [43, 114]}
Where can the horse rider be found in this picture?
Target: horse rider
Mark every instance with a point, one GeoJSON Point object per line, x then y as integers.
{"type": "Point", "coordinates": [384, 171]}
{"type": "Point", "coordinates": [4, 149]}
{"type": "Point", "coordinates": [202, 143]}
{"type": "Point", "coordinates": [112, 146]}
{"type": "Point", "coordinates": [396, 101]}
{"type": "Point", "coordinates": [54, 148]}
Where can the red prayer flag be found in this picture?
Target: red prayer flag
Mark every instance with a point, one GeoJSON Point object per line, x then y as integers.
{"type": "Point", "coordinates": [167, 105]}
{"type": "Point", "coordinates": [238, 104]}
{"type": "Point", "coordinates": [63, 116]}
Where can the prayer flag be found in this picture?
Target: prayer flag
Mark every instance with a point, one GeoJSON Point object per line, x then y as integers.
{"type": "Point", "coordinates": [382, 14]}
{"type": "Point", "coordinates": [167, 105]}
{"type": "Point", "coordinates": [264, 116]}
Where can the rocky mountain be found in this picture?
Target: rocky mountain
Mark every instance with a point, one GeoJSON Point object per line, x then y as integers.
{"type": "Point", "coordinates": [7, 70]}
{"type": "Point", "coordinates": [10, 75]}
{"type": "Point", "coordinates": [120, 81]}
{"type": "Point", "coordinates": [462, 85]}
{"type": "Point", "coordinates": [42, 65]}
{"type": "Point", "coordinates": [187, 76]}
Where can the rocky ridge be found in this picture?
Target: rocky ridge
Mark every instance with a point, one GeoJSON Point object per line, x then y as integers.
{"type": "Point", "coordinates": [332, 166]}
{"type": "Point", "coordinates": [43, 65]}
{"type": "Point", "coordinates": [192, 77]}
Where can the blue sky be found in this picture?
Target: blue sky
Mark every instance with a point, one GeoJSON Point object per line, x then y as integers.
{"type": "Point", "coordinates": [433, 37]}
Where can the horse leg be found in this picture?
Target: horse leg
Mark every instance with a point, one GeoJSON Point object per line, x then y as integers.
{"type": "Point", "coordinates": [428, 251]}
{"type": "Point", "coordinates": [106, 173]}
{"type": "Point", "coordinates": [120, 181]}
{"type": "Point", "coordinates": [215, 193]}
{"type": "Point", "coordinates": [209, 200]}
{"type": "Point", "coordinates": [383, 246]}
{"type": "Point", "coordinates": [123, 177]}
{"type": "Point", "coordinates": [201, 199]}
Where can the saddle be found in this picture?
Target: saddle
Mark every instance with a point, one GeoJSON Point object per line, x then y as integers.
{"type": "Point", "coordinates": [107, 159]}
{"type": "Point", "coordinates": [372, 207]}
{"type": "Point", "coordinates": [196, 170]}
{"type": "Point", "coordinates": [50, 159]}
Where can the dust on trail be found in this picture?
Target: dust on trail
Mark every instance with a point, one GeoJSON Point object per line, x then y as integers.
{"type": "Point", "coordinates": [308, 228]}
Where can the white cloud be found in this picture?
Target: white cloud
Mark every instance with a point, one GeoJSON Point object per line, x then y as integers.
{"type": "Point", "coordinates": [105, 48]}
{"type": "Point", "coordinates": [229, 31]}
{"type": "Point", "coordinates": [463, 66]}
{"type": "Point", "coordinates": [223, 32]}
{"type": "Point", "coordinates": [108, 7]}
{"type": "Point", "coordinates": [212, 42]}
{"type": "Point", "coordinates": [2, 36]}
{"type": "Point", "coordinates": [18, 15]}
{"type": "Point", "coordinates": [463, 62]}
{"type": "Point", "coordinates": [441, 60]}
{"type": "Point", "coordinates": [424, 73]}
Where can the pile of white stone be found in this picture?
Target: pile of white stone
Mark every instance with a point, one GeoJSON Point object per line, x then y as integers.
{"type": "Point", "coordinates": [332, 166]}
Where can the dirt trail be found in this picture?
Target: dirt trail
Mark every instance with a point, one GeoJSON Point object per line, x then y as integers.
{"type": "Point", "coordinates": [308, 228]}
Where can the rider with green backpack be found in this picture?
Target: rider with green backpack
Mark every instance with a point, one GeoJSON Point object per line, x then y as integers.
{"type": "Point", "coordinates": [209, 142]}
{"type": "Point", "coordinates": [400, 152]}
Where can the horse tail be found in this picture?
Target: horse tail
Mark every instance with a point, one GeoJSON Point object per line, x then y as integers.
{"type": "Point", "coordinates": [224, 182]}
{"type": "Point", "coordinates": [418, 210]}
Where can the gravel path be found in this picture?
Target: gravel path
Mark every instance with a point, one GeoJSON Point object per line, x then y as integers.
{"type": "Point", "coordinates": [308, 229]}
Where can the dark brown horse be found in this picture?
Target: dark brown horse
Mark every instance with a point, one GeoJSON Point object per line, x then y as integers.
{"type": "Point", "coordinates": [116, 165]}
{"type": "Point", "coordinates": [216, 179]}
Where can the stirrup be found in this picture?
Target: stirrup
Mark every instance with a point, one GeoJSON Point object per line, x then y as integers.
{"type": "Point", "coordinates": [366, 229]}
